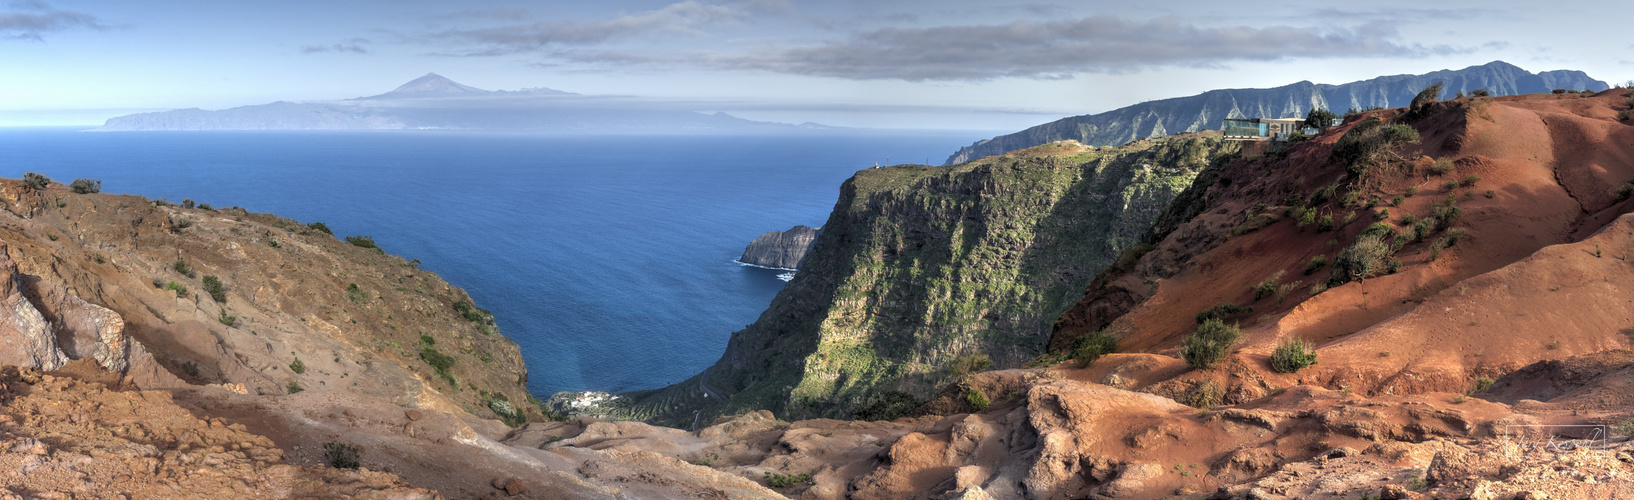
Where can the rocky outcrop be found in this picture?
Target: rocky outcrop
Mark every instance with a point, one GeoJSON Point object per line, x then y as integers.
{"type": "Point", "coordinates": [45, 327]}
{"type": "Point", "coordinates": [780, 249]}
{"type": "Point", "coordinates": [920, 266]}
{"type": "Point", "coordinates": [1206, 111]}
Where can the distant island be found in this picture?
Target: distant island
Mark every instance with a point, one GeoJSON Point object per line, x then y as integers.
{"type": "Point", "coordinates": [434, 102]}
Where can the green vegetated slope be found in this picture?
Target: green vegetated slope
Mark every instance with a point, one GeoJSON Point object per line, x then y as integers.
{"type": "Point", "coordinates": [919, 265]}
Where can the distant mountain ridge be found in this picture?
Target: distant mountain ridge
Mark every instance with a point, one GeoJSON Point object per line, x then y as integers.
{"type": "Point", "coordinates": [1205, 111]}
{"type": "Point", "coordinates": [436, 102]}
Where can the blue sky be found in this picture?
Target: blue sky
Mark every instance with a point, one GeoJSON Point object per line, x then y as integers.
{"type": "Point", "coordinates": [915, 64]}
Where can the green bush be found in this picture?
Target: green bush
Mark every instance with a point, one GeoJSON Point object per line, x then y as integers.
{"type": "Point", "coordinates": [319, 226]}
{"type": "Point", "coordinates": [1361, 260]}
{"type": "Point", "coordinates": [507, 413]}
{"type": "Point", "coordinates": [1470, 180]}
{"type": "Point", "coordinates": [340, 455]}
{"type": "Point", "coordinates": [361, 241]}
{"type": "Point", "coordinates": [1268, 287]}
{"type": "Point", "coordinates": [225, 319]}
{"type": "Point", "coordinates": [188, 203]}
{"type": "Point", "coordinates": [1626, 192]}
{"type": "Point", "coordinates": [1412, 190]}
{"type": "Point", "coordinates": [1221, 311]}
{"type": "Point", "coordinates": [1291, 356]}
{"type": "Point", "coordinates": [297, 366]}
{"type": "Point", "coordinates": [976, 399]}
{"type": "Point", "coordinates": [889, 406]}
{"type": "Point", "coordinates": [779, 481]}
{"type": "Point", "coordinates": [1397, 200]}
{"type": "Point", "coordinates": [1306, 219]}
{"type": "Point", "coordinates": [472, 313]}
{"type": "Point", "coordinates": [1324, 224]}
{"type": "Point", "coordinates": [85, 186]}
{"type": "Point", "coordinates": [1209, 343]}
{"type": "Point", "coordinates": [293, 387]}
{"type": "Point", "coordinates": [1480, 93]}
{"type": "Point", "coordinates": [1368, 143]}
{"type": "Point", "coordinates": [442, 364]}
{"type": "Point", "coordinates": [1088, 348]}
{"type": "Point", "coordinates": [181, 267]}
{"type": "Point", "coordinates": [214, 287]}
{"type": "Point", "coordinates": [1316, 264]}
{"type": "Point", "coordinates": [35, 180]}
{"type": "Point", "coordinates": [356, 293]}
{"type": "Point", "coordinates": [181, 291]}
{"type": "Point", "coordinates": [970, 364]}
{"type": "Point", "coordinates": [1421, 102]}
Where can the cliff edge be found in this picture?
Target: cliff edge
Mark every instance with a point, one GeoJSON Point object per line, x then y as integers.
{"type": "Point", "coordinates": [780, 249]}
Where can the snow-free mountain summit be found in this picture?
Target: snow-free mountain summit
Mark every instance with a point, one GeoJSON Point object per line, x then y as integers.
{"type": "Point", "coordinates": [434, 102]}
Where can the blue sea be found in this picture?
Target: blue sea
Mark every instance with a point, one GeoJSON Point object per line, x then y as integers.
{"type": "Point", "coordinates": [609, 259]}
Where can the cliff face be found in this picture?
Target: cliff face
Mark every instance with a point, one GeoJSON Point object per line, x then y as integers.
{"type": "Point", "coordinates": [1205, 111]}
{"type": "Point", "coordinates": [780, 249]}
{"type": "Point", "coordinates": [918, 266]}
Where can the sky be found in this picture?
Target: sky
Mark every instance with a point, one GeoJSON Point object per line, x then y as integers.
{"type": "Point", "coordinates": [938, 64]}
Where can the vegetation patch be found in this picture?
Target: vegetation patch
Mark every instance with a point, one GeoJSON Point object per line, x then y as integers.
{"type": "Point", "coordinates": [1209, 343]}
{"type": "Point", "coordinates": [85, 186]}
{"type": "Point", "coordinates": [1222, 311]}
{"type": "Point", "coordinates": [1363, 259]}
{"type": "Point", "coordinates": [182, 268]}
{"type": "Point", "coordinates": [888, 406]}
{"type": "Point", "coordinates": [319, 226]}
{"type": "Point", "coordinates": [1203, 395]}
{"type": "Point", "coordinates": [976, 399]}
{"type": "Point", "coordinates": [779, 481]}
{"type": "Point", "coordinates": [1088, 348]}
{"type": "Point", "coordinates": [297, 366]}
{"type": "Point", "coordinates": [1291, 356]}
{"type": "Point", "coordinates": [340, 455]}
{"type": "Point", "coordinates": [441, 363]}
{"type": "Point", "coordinates": [214, 287]}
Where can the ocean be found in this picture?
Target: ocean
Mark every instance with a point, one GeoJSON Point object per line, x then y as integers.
{"type": "Point", "coordinates": [609, 259]}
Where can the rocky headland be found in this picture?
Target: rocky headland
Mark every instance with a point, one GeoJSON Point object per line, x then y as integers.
{"type": "Point", "coordinates": [780, 249]}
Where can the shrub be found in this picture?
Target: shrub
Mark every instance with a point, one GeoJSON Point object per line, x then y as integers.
{"type": "Point", "coordinates": [1442, 167]}
{"type": "Point", "coordinates": [1268, 287]}
{"type": "Point", "coordinates": [1449, 186]}
{"type": "Point", "coordinates": [1319, 118]}
{"type": "Point", "coordinates": [1324, 224]}
{"type": "Point", "coordinates": [182, 222]}
{"type": "Point", "coordinates": [1369, 144]}
{"type": "Point", "coordinates": [319, 226]}
{"type": "Point", "coordinates": [779, 481]}
{"type": "Point", "coordinates": [1088, 348]}
{"type": "Point", "coordinates": [181, 291]}
{"type": "Point", "coordinates": [1626, 192]}
{"type": "Point", "coordinates": [1316, 264]}
{"type": "Point", "coordinates": [1470, 180]}
{"type": "Point", "coordinates": [441, 363]}
{"type": "Point", "coordinates": [976, 399]}
{"type": "Point", "coordinates": [1306, 219]}
{"type": "Point", "coordinates": [1625, 428]}
{"type": "Point", "coordinates": [1361, 260]}
{"type": "Point", "coordinates": [472, 313]}
{"type": "Point", "coordinates": [1291, 356]}
{"type": "Point", "coordinates": [970, 364]}
{"type": "Point", "coordinates": [889, 406]}
{"type": "Point", "coordinates": [1559, 91]}
{"type": "Point", "coordinates": [1323, 195]}
{"type": "Point", "coordinates": [1490, 194]}
{"type": "Point", "coordinates": [340, 455]}
{"type": "Point", "coordinates": [507, 413]}
{"type": "Point", "coordinates": [35, 180]}
{"type": "Point", "coordinates": [1221, 311]}
{"type": "Point", "coordinates": [187, 203]}
{"type": "Point", "coordinates": [1421, 102]}
{"type": "Point", "coordinates": [85, 186]}
{"type": "Point", "coordinates": [293, 387]}
{"type": "Point", "coordinates": [1445, 214]}
{"type": "Point", "coordinates": [1411, 190]}
{"type": "Point", "coordinates": [1203, 395]}
{"type": "Point", "coordinates": [361, 241]}
{"type": "Point", "coordinates": [1408, 220]}
{"type": "Point", "coordinates": [1383, 214]}
{"type": "Point", "coordinates": [1209, 343]}
{"type": "Point", "coordinates": [356, 293]}
{"type": "Point", "coordinates": [297, 366]}
{"type": "Point", "coordinates": [214, 287]}
{"type": "Point", "coordinates": [1480, 93]}
{"type": "Point", "coordinates": [1283, 289]}
{"type": "Point", "coordinates": [1422, 229]}
{"type": "Point", "coordinates": [225, 319]}
{"type": "Point", "coordinates": [1482, 384]}
{"type": "Point", "coordinates": [1397, 200]}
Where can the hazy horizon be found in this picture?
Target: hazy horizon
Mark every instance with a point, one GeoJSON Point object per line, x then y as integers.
{"type": "Point", "coordinates": [907, 64]}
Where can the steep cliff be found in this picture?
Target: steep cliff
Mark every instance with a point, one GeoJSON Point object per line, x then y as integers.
{"type": "Point", "coordinates": [919, 266]}
{"type": "Point", "coordinates": [780, 249]}
{"type": "Point", "coordinates": [1205, 111]}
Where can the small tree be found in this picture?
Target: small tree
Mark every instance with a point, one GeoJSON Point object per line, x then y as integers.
{"type": "Point", "coordinates": [1209, 343]}
{"type": "Point", "coordinates": [1319, 118]}
{"type": "Point", "coordinates": [1430, 95]}
{"type": "Point", "coordinates": [86, 186]}
{"type": "Point", "coordinates": [215, 288]}
{"type": "Point", "coordinates": [35, 180]}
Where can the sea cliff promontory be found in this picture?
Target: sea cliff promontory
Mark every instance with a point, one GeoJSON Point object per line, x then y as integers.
{"type": "Point", "coordinates": [780, 249]}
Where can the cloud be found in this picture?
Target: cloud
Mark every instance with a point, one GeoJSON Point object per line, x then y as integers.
{"type": "Point", "coordinates": [516, 14]}
{"type": "Point", "coordinates": [685, 18]}
{"type": "Point", "coordinates": [1098, 44]}
{"type": "Point", "coordinates": [351, 46]}
{"type": "Point", "coordinates": [33, 19]}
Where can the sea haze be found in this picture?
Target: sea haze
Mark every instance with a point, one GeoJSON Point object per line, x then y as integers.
{"type": "Point", "coordinates": [609, 259]}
